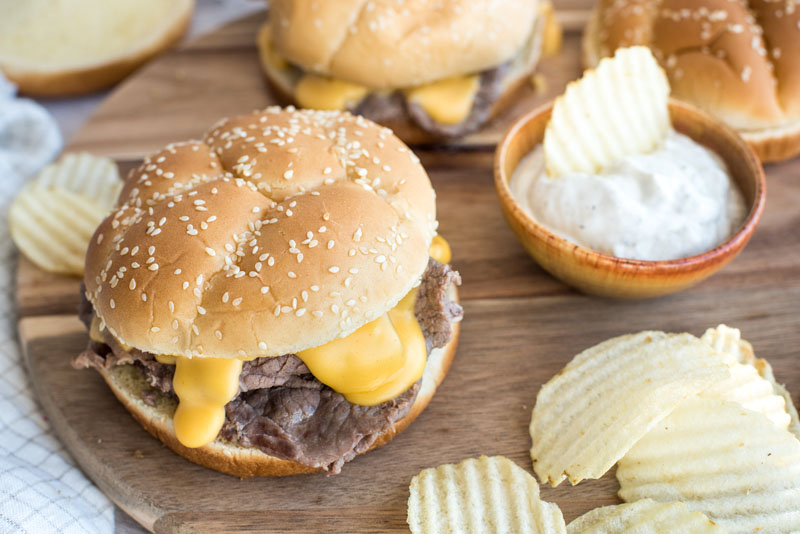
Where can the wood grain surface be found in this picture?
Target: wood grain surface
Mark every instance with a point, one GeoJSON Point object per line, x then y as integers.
{"type": "Point", "coordinates": [520, 327]}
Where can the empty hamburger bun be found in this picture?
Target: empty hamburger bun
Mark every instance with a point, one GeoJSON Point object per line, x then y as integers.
{"type": "Point", "coordinates": [738, 60]}
{"type": "Point", "coordinates": [127, 385]}
{"type": "Point", "coordinates": [389, 49]}
{"type": "Point", "coordinates": [72, 47]}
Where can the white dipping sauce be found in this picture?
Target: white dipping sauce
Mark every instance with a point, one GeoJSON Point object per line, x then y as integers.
{"type": "Point", "coordinates": [674, 202]}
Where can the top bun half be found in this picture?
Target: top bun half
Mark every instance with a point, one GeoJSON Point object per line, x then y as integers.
{"type": "Point", "coordinates": [385, 44]}
{"type": "Point", "coordinates": [739, 59]}
{"type": "Point", "coordinates": [279, 231]}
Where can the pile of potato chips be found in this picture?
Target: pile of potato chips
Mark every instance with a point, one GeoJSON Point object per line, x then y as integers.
{"type": "Point", "coordinates": [704, 439]}
{"type": "Point", "coordinates": [55, 215]}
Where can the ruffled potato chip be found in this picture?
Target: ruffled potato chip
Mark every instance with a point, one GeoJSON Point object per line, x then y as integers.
{"type": "Point", "coordinates": [490, 495]}
{"type": "Point", "coordinates": [616, 109]}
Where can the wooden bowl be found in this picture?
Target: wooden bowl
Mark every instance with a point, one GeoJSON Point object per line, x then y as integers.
{"type": "Point", "coordinates": [602, 274]}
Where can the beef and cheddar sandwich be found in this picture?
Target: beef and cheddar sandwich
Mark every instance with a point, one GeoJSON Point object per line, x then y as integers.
{"type": "Point", "coordinates": [739, 60]}
{"type": "Point", "coordinates": [428, 70]}
{"type": "Point", "coordinates": [273, 299]}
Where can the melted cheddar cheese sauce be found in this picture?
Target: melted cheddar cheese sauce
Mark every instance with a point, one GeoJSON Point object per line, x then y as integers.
{"type": "Point", "coordinates": [446, 101]}
{"type": "Point", "coordinates": [319, 92]}
{"type": "Point", "coordinates": [204, 386]}
{"type": "Point", "coordinates": [375, 363]}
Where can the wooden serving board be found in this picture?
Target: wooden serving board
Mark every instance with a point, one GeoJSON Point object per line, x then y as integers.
{"type": "Point", "coordinates": [521, 326]}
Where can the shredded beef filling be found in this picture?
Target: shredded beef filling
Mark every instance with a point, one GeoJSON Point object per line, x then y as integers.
{"type": "Point", "coordinates": [281, 407]}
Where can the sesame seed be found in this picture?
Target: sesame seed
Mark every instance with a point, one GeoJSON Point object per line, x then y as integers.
{"type": "Point", "coordinates": [291, 274]}
{"type": "Point", "coordinates": [112, 304]}
{"type": "Point", "coordinates": [218, 334]}
{"type": "Point", "coordinates": [314, 288]}
{"type": "Point", "coordinates": [237, 301]}
{"type": "Point", "coordinates": [174, 324]}
{"type": "Point", "coordinates": [330, 244]}
{"type": "Point", "coordinates": [155, 329]}
{"type": "Point", "coordinates": [264, 290]}
{"type": "Point", "coordinates": [171, 306]}
{"type": "Point", "coordinates": [132, 285]}
{"type": "Point", "coordinates": [178, 271]}
{"type": "Point", "coordinates": [210, 251]}
{"type": "Point", "coordinates": [201, 310]}
{"type": "Point", "coordinates": [333, 269]}
{"type": "Point", "coordinates": [185, 285]}
{"type": "Point", "coordinates": [153, 267]}
{"type": "Point", "coordinates": [144, 297]}
{"type": "Point", "coordinates": [300, 312]}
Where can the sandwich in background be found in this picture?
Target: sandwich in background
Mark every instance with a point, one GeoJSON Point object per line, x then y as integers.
{"type": "Point", "coordinates": [739, 61]}
{"type": "Point", "coordinates": [427, 71]}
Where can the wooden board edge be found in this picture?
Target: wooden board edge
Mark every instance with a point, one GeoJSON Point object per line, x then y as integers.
{"type": "Point", "coordinates": [57, 325]}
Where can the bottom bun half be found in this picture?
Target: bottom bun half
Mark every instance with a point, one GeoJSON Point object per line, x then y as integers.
{"type": "Point", "coordinates": [127, 385]}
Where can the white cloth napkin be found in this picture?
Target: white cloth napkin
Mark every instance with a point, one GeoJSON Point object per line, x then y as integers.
{"type": "Point", "coordinates": [41, 489]}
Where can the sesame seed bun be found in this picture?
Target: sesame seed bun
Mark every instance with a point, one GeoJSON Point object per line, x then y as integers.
{"type": "Point", "coordinates": [127, 385]}
{"type": "Point", "coordinates": [738, 60]}
{"type": "Point", "coordinates": [279, 231]}
{"type": "Point", "coordinates": [383, 44]}
{"type": "Point", "coordinates": [72, 47]}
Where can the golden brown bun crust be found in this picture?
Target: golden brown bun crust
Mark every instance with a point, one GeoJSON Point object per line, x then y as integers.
{"type": "Point", "coordinates": [88, 79]}
{"type": "Point", "coordinates": [737, 60]}
{"type": "Point", "coordinates": [280, 231]}
{"type": "Point", "coordinates": [126, 384]}
{"type": "Point", "coordinates": [385, 46]}
{"type": "Point", "coordinates": [282, 83]}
